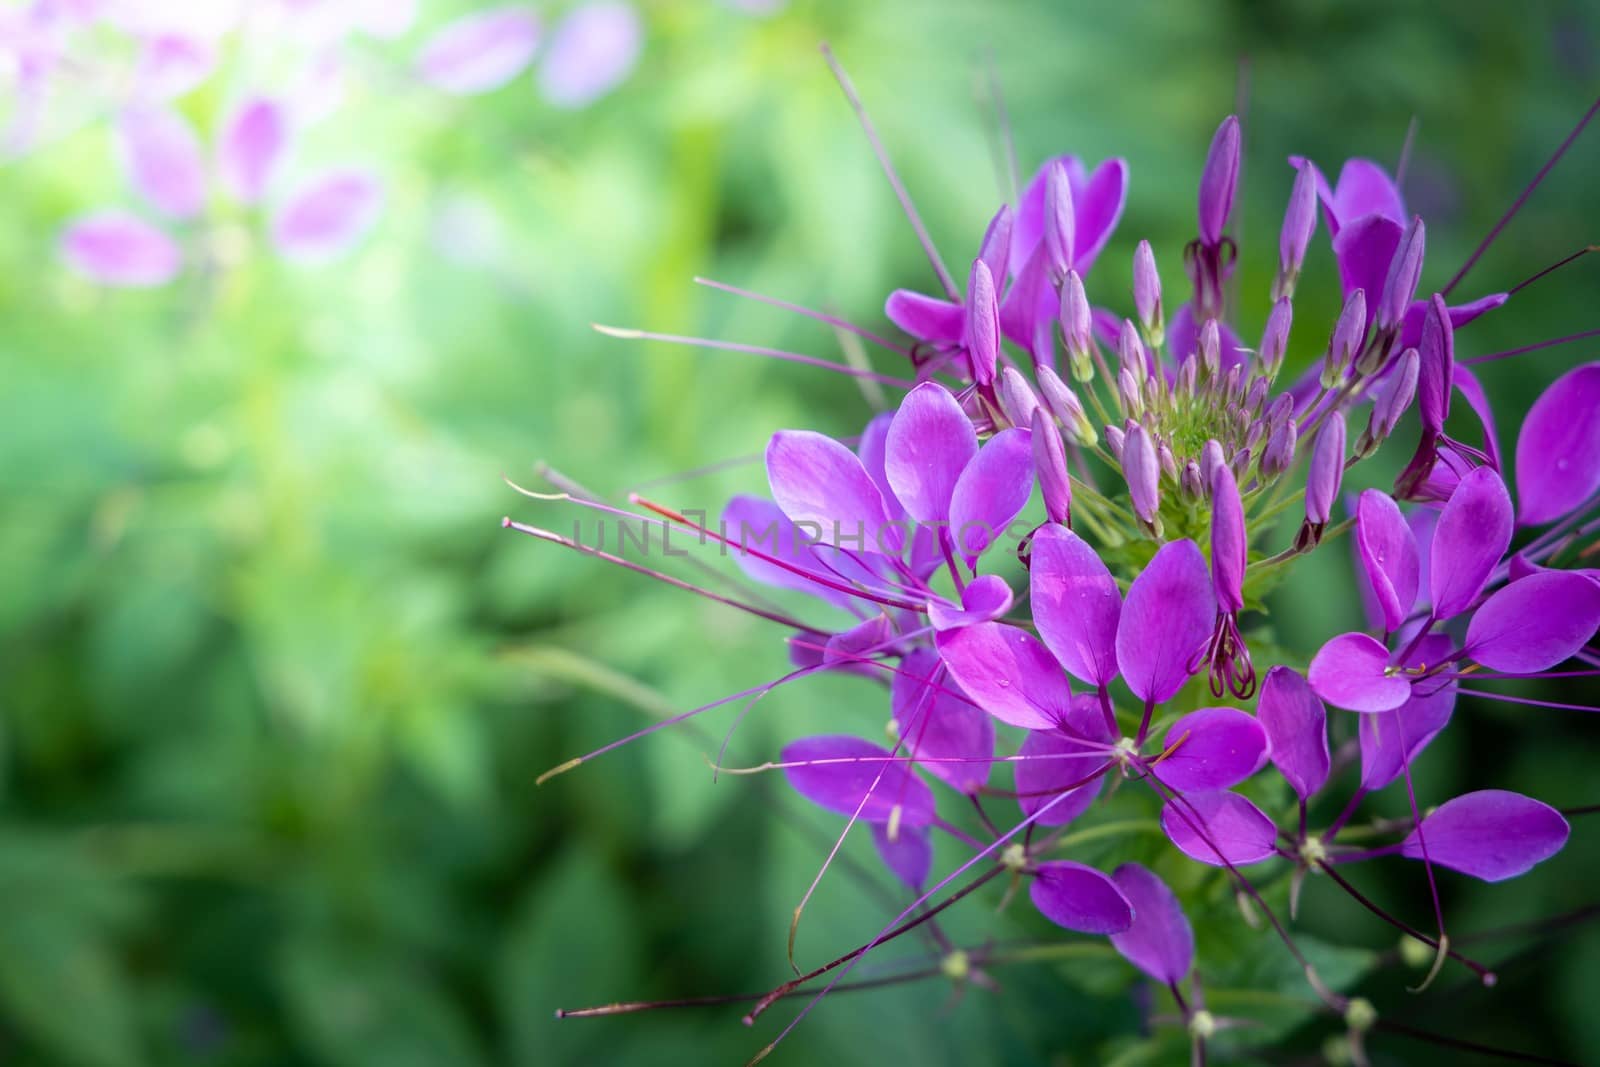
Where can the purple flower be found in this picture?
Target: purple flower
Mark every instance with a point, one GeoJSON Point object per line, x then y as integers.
{"type": "Point", "coordinates": [590, 53]}
{"type": "Point", "coordinates": [1558, 450]}
{"type": "Point", "coordinates": [480, 52]}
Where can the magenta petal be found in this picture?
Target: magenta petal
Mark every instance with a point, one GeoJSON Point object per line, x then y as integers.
{"type": "Point", "coordinates": [1097, 203]}
{"type": "Point", "coordinates": [1160, 942]}
{"type": "Point", "coordinates": [1217, 827]}
{"type": "Point", "coordinates": [926, 318]}
{"type": "Point", "coordinates": [1474, 531]}
{"type": "Point", "coordinates": [873, 449]}
{"type": "Point", "coordinates": [1389, 556]}
{"type": "Point", "coordinates": [1053, 764]}
{"type": "Point", "coordinates": [590, 53]}
{"type": "Point", "coordinates": [753, 525]}
{"type": "Point", "coordinates": [1490, 834]}
{"type": "Point", "coordinates": [1350, 672]}
{"type": "Point", "coordinates": [251, 146]}
{"type": "Point", "coordinates": [1535, 622]}
{"type": "Point", "coordinates": [985, 597]}
{"type": "Point", "coordinates": [162, 159]}
{"type": "Point", "coordinates": [820, 483]}
{"type": "Point", "coordinates": [992, 490]}
{"type": "Point", "coordinates": [930, 442]}
{"type": "Point", "coordinates": [117, 248]}
{"type": "Point", "coordinates": [846, 778]}
{"type": "Point", "coordinates": [481, 51]}
{"type": "Point", "coordinates": [1364, 248]}
{"type": "Point", "coordinates": [1460, 315]}
{"type": "Point", "coordinates": [1296, 724]}
{"type": "Point", "coordinates": [1409, 728]}
{"type": "Point", "coordinates": [1365, 188]}
{"type": "Point", "coordinates": [1215, 748]}
{"type": "Point", "coordinates": [909, 856]}
{"type": "Point", "coordinates": [937, 722]}
{"type": "Point", "coordinates": [1076, 604]}
{"type": "Point", "coordinates": [1080, 898]}
{"type": "Point", "coordinates": [858, 644]}
{"type": "Point", "coordinates": [327, 216]}
{"type": "Point", "coordinates": [1166, 620]}
{"type": "Point", "coordinates": [1008, 673]}
{"type": "Point", "coordinates": [1558, 450]}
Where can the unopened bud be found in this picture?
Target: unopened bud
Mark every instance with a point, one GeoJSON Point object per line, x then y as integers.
{"type": "Point", "coordinates": [1116, 438]}
{"type": "Point", "coordinates": [1060, 223]}
{"type": "Point", "coordinates": [1077, 326]}
{"type": "Point", "coordinates": [996, 248]}
{"type": "Point", "coordinates": [1392, 402]}
{"type": "Point", "coordinates": [1327, 469]}
{"type": "Point", "coordinates": [982, 332]}
{"type": "Point", "coordinates": [1147, 294]}
{"type": "Point", "coordinates": [1050, 460]}
{"type": "Point", "coordinates": [1063, 403]}
{"type": "Point", "coordinates": [1142, 469]}
{"type": "Point", "coordinates": [1191, 482]}
{"type": "Point", "coordinates": [1278, 456]}
{"type": "Point", "coordinates": [1349, 334]}
{"type": "Point", "coordinates": [1210, 349]}
{"type": "Point", "coordinates": [1405, 271]}
{"type": "Point", "coordinates": [1299, 223]}
{"type": "Point", "coordinates": [1275, 338]}
{"type": "Point", "coordinates": [1130, 394]}
{"type": "Point", "coordinates": [1169, 462]}
{"type": "Point", "coordinates": [1218, 181]}
{"type": "Point", "coordinates": [1211, 457]}
{"type": "Point", "coordinates": [1017, 399]}
{"type": "Point", "coordinates": [1130, 351]}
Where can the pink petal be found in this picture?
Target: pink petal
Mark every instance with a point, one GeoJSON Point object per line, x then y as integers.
{"type": "Point", "coordinates": [1055, 763]}
{"type": "Point", "coordinates": [1160, 942]}
{"type": "Point", "coordinates": [1535, 622]}
{"type": "Point", "coordinates": [162, 160]}
{"type": "Point", "coordinates": [1166, 620]}
{"type": "Point", "coordinates": [841, 786]}
{"type": "Point", "coordinates": [1008, 673]}
{"type": "Point", "coordinates": [117, 248]}
{"type": "Point", "coordinates": [1297, 729]}
{"type": "Point", "coordinates": [1388, 553]}
{"type": "Point", "coordinates": [992, 491]}
{"type": "Point", "coordinates": [930, 443]}
{"type": "Point", "coordinates": [818, 481]}
{"type": "Point", "coordinates": [1219, 747]}
{"type": "Point", "coordinates": [909, 856]}
{"type": "Point", "coordinates": [1080, 898]}
{"type": "Point", "coordinates": [590, 53]}
{"type": "Point", "coordinates": [1351, 672]}
{"type": "Point", "coordinates": [1076, 604]}
{"type": "Point", "coordinates": [1491, 834]}
{"type": "Point", "coordinates": [1201, 824]}
{"type": "Point", "coordinates": [1558, 450]}
{"type": "Point", "coordinates": [1474, 531]}
{"type": "Point", "coordinates": [327, 216]}
{"type": "Point", "coordinates": [1410, 727]}
{"type": "Point", "coordinates": [926, 318]}
{"type": "Point", "coordinates": [251, 146]}
{"type": "Point", "coordinates": [481, 51]}
{"type": "Point", "coordinates": [985, 597]}
{"type": "Point", "coordinates": [937, 722]}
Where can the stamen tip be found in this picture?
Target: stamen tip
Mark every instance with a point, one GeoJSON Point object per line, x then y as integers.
{"type": "Point", "coordinates": [559, 769]}
{"type": "Point", "coordinates": [505, 522]}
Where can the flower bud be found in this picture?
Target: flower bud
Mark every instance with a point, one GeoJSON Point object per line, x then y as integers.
{"type": "Point", "coordinates": [1275, 338]}
{"type": "Point", "coordinates": [1233, 383]}
{"type": "Point", "coordinates": [1211, 457]}
{"type": "Point", "coordinates": [1142, 468]}
{"type": "Point", "coordinates": [1405, 271]}
{"type": "Point", "coordinates": [1256, 396]}
{"type": "Point", "coordinates": [1077, 326]}
{"type": "Point", "coordinates": [1229, 543]}
{"type": "Point", "coordinates": [1327, 469]}
{"type": "Point", "coordinates": [1210, 349]}
{"type": "Point", "coordinates": [982, 328]}
{"type": "Point", "coordinates": [1063, 403]}
{"type": "Point", "coordinates": [1299, 223]}
{"type": "Point", "coordinates": [1116, 438]}
{"type": "Point", "coordinates": [1016, 396]}
{"type": "Point", "coordinates": [1349, 334]}
{"type": "Point", "coordinates": [1218, 181]}
{"type": "Point", "coordinates": [1060, 224]}
{"type": "Point", "coordinates": [1050, 459]}
{"type": "Point", "coordinates": [1147, 293]}
{"type": "Point", "coordinates": [1129, 394]}
{"type": "Point", "coordinates": [996, 248]}
{"type": "Point", "coordinates": [1240, 462]}
{"type": "Point", "coordinates": [1437, 369]}
{"type": "Point", "coordinates": [1130, 352]}
{"type": "Point", "coordinates": [1281, 408]}
{"type": "Point", "coordinates": [1279, 453]}
{"type": "Point", "coordinates": [1391, 403]}
{"type": "Point", "coordinates": [1188, 375]}
{"type": "Point", "coordinates": [1191, 482]}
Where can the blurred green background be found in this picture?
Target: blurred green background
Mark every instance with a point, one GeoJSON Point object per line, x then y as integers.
{"type": "Point", "coordinates": [275, 686]}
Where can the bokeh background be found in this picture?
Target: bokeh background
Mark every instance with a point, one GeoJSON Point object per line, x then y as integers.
{"type": "Point", "coordinates": [275, 686]}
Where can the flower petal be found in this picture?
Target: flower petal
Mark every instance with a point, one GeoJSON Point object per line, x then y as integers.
{"type": "Point", "coordinates": [1410, 727]}
{"type": "Point", "coordinates": [930, 442]}
{"type": "Point", "coordinates": [754, 525]}
{"type": "Point", "coordinates": [1558, 450]}
{"type": "Point", "coordinates": [481, 51]}
{"type": "Point", "coordinates": [1080, 898]}
{"type": "Point", "coordinates": [1212, 748]}
{"type": "Point", "coordinates": [1490, 834]}
{"type": "Point", "coordinates": [118, 248]}
{"type": "Point", "coordinates": [992, 490]}
{"type": "Point", "coordinates": [1365, 188]}
{"type": "Point", "coordinates": [1160, 942]}
{"type": "Point", "coordinates": [590, 53]}
{"type": "Point", "coordinates": [1165, 621]}
{"type": "Point", "coordinates": [938, 722]}
{"type": "Point", "coordinates": [1008, 673]}
{"type": "Point", "coordinates": [1054, 763]}
{"type": "Point", "coordinates": [1474, 531]}
{"type": "Point", "coordinates": [162, 159]}
{"type": "Point", "coordinates": [1217, 827]}
{"type": "Point", "coordinates": [327, 216]}
{"type": "Point", "coordinates": [1364, 248]}
{"type": "Point", "coordinates": [818, 481]}
{"type": "Point", "coordinates": [251, 146]}
{"type": "Point", "coordinates": [1297, 729]}
{"type": "Point", "coordinates": [986, 597]}
{"type": "Point", "coordinates": [1389, 556]}
{"type": "Point", "coordinates": [926, 318]}
{"type": "Point", "coordinates": [1535, 622]}
{"type": "Point", "coordinates": [1076, 604]}
{"type": "Point", "coordinates": [1351, 672]}
{"type": "Point", "coordinates": [845, 778]}
{"type": "Point", "coordinates": [909, 856]}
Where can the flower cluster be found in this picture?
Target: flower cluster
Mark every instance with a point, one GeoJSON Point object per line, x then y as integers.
{"type": "Point", "coordinates": [1166, 452]}
{"type": "Point", "coordinates": [291, 64]}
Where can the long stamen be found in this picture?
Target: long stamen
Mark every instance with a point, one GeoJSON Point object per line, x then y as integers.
{"type": "Point", "coordinates": [889, 172]}
{"type": "Point", "coordinates": [1516, 206]}
{"type": "Point", "coordinates": [1484, 973]}
{"type": "Point", "coordinates": [627, 334]}
{"type": "Point", "coordinates": [832, 320]}
{"type": "Point", "coordinates": [1579, 254]}
{"type": "Point", "coordinates": [1525, 700]}
{"type": "Point", "coordinates": [1427, 863]}
{"type": "Point", "coordinates": [1508, 353]}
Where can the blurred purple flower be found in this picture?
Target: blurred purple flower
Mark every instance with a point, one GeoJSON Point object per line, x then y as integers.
{"type": "Point", "coordinates": [591, 52]}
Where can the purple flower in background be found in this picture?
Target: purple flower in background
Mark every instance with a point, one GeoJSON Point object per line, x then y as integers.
{"type": "Point", "coordinates": [590, 53]}
{"type": "Point", "coordinates": [480, 52]}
